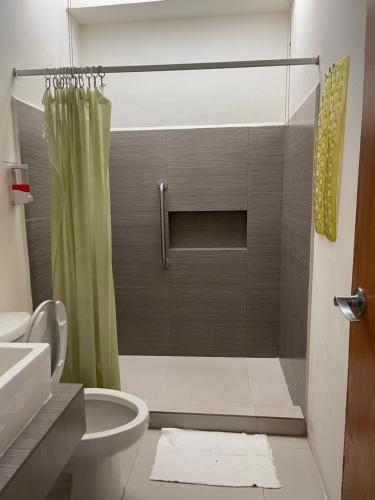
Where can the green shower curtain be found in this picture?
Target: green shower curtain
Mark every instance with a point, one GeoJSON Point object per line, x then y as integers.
{"type": "Point", "coordinates": [77, 128]}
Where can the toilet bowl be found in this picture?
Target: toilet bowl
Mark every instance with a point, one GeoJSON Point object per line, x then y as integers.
{"type": "Point", "coordinates": [115, 420]}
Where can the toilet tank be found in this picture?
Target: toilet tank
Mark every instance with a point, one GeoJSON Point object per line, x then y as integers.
{"type": "Point", "coordinates": [13, 326]}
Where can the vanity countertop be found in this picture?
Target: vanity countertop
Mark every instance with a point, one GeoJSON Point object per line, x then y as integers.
{"type": "Point", "coordinates": [31, 465]}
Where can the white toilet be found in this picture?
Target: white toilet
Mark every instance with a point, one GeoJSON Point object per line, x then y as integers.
{"type": "Point", "coordinates": [115, 420]}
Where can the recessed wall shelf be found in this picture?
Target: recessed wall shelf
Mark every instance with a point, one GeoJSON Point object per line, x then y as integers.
{"type": "Point", "coordinates": [208, 230]}
{"type": "Point", "coordinates": [216, 249]}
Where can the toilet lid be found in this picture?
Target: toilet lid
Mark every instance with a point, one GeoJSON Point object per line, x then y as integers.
{"type": "Point", "coordinates": [49, 324]}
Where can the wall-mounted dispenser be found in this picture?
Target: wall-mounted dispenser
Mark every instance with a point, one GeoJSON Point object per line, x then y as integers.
{"type": "Point", "coordinates": [19, 184]}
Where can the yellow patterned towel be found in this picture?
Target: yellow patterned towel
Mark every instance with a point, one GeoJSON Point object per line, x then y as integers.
{"type": "Point", "coordinates": [328, 148]}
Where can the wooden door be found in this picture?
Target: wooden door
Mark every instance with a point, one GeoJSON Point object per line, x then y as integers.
{"type": "Point", "coordinates": [359, 454]}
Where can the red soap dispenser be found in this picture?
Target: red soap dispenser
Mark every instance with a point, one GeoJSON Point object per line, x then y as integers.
{"type": "Point", "coordinates": [19, 184]}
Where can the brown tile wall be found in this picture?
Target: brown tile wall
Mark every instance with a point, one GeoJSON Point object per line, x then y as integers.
{"type": "Point", "coordinates": [214, 298]}
{"type": "Point", "coordinates": [33, 149]}
{"type": "Point", "coordinates": [295, 247]}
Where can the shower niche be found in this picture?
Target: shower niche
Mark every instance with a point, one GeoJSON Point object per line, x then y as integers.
{"type": "Point", "coordinates": [210, 229]}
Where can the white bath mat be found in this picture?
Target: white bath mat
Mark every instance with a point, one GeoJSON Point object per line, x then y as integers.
{"type": "Point", "coordinates": [214, 458]}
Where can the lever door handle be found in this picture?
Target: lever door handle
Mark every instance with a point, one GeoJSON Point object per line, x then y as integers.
{"type": "Point", "coordinates": [352, 307]}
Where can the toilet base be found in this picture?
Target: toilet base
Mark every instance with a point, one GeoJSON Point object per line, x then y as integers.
{"type": "Point", "coordinates": [97, 481]}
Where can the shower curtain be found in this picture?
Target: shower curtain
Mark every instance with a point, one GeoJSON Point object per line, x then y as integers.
{"type": "Point", "coordinates": [77, 128]}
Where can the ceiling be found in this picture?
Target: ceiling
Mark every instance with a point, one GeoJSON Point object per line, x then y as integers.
{"type": "Point", "coordinates": [119, 11]}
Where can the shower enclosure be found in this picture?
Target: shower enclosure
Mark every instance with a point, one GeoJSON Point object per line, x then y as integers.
{"type": "Point", "coordinates": [237, 216]}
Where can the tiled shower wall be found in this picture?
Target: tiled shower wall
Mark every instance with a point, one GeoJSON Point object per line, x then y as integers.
{"type": "Point", "coordinates": [220, 296]}
{"type": "Point", "coordinates": [295, 247]}
{"type": "Point", "coordinates": [34, 152]}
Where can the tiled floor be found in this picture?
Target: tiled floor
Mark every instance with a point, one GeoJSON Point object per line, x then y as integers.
{"type": "Point", "coordinates": [210, 383]}
{"type": "Point", "coordinates": [295, 466]}
{"type": "Point", "coordinates": [232, 382]}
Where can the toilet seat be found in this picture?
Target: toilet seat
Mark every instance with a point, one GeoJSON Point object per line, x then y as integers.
{"type": "Point", "coordinates": [98, 445]}
{"type": "Point", "coordinates": [49, 324]}
{"type": "Point", "coordinates": [120, 398]}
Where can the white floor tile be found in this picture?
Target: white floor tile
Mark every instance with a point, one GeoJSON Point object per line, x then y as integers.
{"type": "Point", "coordinates": [278, 411]}
{"type": "Point", "coordinates": [206, 380]}
{"type": "Point", "coordinates": [143, 376]}
{"type": "Point", "coordinates": [265, 370]}
{"type": "Point", "coordinates": [212, 382]}
{"type": "Point", "coordinates": [270, 393]}
{"type": "Point", "coordinates": [289, 442]}
{"type": "Point", "coordinates": [298, 473]}
{"type": "Point", "coordinates": [128, 458]}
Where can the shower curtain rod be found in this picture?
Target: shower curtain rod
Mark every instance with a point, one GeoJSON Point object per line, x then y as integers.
{"type": "Point", "coordinates": [170, 67]}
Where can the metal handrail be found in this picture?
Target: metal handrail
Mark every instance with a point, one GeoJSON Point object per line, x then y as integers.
{"type": "Point", "coordinates": [162, 188]}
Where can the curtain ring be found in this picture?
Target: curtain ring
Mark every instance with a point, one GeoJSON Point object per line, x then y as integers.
{"type": "Point", "coordinates": [57, 78]}
{"type": "Point", "coordinates": [88, 77]}
{"type": "Point", "coordinates": [61, 78]}
{"type": "Point", "coordinates": [67, 77]}
{"type": "Point", "coordinates": [47, 80]}
{"type": "Point", "coordinates": [54, 79]}
{"type": "Point", "coordinates": [81, 81]}
{"type": "Point", "coordinates": [101, 75]}
{"type": "Point", "coordinates": [74, 77]}
{"type": "Point", "coordinates": [93, 76]}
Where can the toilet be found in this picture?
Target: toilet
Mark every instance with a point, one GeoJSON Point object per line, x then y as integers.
{"type": "Point", "coordinates": [115, 420]}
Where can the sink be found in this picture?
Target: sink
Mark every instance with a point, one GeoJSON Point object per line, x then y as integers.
{"type": "Point", "coordinates": [25, 385]}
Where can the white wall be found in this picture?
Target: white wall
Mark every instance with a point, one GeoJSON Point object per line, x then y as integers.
{"type": "Point", "coordinates": [193, 97]}
{"type": "Point", "coordinates": [33, 33]}
{"type": "Point", "coordinates": [331, 29]}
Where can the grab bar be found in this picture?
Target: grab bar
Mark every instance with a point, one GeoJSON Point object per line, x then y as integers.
{"type": "Point", "coordinates": [162, 187]}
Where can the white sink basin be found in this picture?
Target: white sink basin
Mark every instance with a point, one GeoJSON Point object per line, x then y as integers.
{"type": "Point", "coordinates": [25, 385]}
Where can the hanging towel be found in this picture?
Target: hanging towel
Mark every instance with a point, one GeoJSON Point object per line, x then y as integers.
{"type": "Point", "coordinates": [214, 458]}
{"type": "Point", "coordinates": [328, 148]}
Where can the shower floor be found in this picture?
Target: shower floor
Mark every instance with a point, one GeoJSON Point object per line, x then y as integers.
{"type": "Point", "coordinates": [205, 384]}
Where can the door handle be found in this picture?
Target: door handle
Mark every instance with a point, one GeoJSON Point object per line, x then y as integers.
{"type": "Point", "coordinates": [352, 307]}
{"type": "Point", "coordinates": [162, 188]}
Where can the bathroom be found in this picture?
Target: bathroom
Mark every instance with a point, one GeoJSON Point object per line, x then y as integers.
{"type": "Point", "coordinates": [187, 288]}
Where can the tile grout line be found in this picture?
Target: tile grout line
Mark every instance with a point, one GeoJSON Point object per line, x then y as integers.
{"type": "Point", "coordinates": [133, 467]}
{"type": "Point", "coordinates": [284, 382]}
{"type": "Point", "coordinates": [249, 382]}
{"type": "Point", "coordinates": [247, 329]}
{"type": "Point", "coordinates": [169, 276]}
{"type": "Point", "coordinates": [164, 378]}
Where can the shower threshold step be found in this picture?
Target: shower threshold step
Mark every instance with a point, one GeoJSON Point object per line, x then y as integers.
{"type": "Point", "coordinates": [283, 420]}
